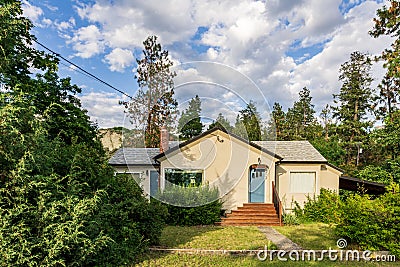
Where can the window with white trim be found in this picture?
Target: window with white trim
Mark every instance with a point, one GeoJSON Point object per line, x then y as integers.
{"type": "Point", "coordinates": [302, 182]}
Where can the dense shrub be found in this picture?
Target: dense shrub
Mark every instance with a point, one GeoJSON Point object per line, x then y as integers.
{"type": "Point", "coordinates": [86, 216]}
{"type": "Point", "coordinates": [372, 224]}
{"type": "Point", "coordinates": [60, 203]}
{"type": "Point", "coordinates": [191, 205]}
{"type": "Point", "coordinates": [322, 208]}
{"type": "Point", "coordinates": [130, 220]}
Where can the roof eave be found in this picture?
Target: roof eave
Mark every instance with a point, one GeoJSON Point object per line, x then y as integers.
{"type": "Point", "coordinates": [311, 162]}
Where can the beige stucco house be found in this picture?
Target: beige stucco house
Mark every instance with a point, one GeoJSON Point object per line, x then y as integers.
{"type": "Point", "coordinates": [243, 171]}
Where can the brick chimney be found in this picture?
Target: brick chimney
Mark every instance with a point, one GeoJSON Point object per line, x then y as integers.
{"type": "Point", "coordinates": [164, 139]}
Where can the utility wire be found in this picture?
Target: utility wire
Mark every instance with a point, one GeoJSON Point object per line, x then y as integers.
{"type": "Point", "coordinates": [74, 69]}
{"type": "Point", "coordinates": [84, 71]}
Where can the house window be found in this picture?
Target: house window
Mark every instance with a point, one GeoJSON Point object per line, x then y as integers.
{"type": "Point", "coordinates": [184, 177]}
{"type": "Point", "coordinates": [302, 182]}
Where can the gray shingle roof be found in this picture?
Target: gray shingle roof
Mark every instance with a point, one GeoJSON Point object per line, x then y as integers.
{"type": "Point", "coordinates": [134, 156]}
{"type": "Point", "coordinates": [293, 150]}
{"type": "Point", "coordinates": [137, 156]}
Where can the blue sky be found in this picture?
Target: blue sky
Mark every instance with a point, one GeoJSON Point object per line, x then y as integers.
{"type": "Point", "coordinates": [245, 50]}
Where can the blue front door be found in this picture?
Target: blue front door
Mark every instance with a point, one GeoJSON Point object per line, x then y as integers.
{"type": "Point", "coordinates": [257, 184]}
{"type": "Point", "coordinates": [153, 183]}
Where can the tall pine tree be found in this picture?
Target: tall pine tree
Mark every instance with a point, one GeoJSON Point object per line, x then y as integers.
{"type": "Point", "coordinates": [154, 104]}
{"type": "Point", "coordinates": [354, 101]}
{"type": "Point", "coordinates": [189, 124]}
{"type": "Point", "coordinates": [388, 23]}
{"type": "Point", "coordinates": [221, 122]}
{"type": "Point", "coordinates": [277, 123]}
{"type": "Point", "coordinates": [248, 123]}
{"type": "Point", "coordinates": [301, 116]}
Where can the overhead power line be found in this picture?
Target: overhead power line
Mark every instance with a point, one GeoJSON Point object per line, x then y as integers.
{"type": "Point", "coordinates": [82, 70]}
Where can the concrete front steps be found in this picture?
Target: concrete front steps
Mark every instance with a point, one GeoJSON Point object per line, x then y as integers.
{"type": "Point", "coordinates": [259, 214]}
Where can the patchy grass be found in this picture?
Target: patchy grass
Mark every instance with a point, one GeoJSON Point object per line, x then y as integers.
{"type": "Point", "coordinates": [213, 237]}
{"type": "Point", "coordinates": [173, 260]}
{"type": "Point", "coordinates": [316, 236]}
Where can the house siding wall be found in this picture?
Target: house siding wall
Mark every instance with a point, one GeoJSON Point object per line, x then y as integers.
{"type": "Point", "coordinates": [225, 165]}
{"type": "Point", "coordinates": [328, 179]}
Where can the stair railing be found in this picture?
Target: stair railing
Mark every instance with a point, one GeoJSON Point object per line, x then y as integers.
{"type": "Point", "coordinates": [277, 203]}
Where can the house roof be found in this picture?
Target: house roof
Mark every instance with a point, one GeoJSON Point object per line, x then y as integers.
{"type": "Point", "coordinates": [293, 151]}
{"type": "Point", "coordinates": [137, 156]}
{"type": "Point", "coordinates": [134, 156]}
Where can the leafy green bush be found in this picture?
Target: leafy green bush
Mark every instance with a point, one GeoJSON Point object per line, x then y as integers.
{"type": "Point", "coordinates": [372, 224]}
{"type": "Point", "coordinates": [290, 219]}
{"type": "Point", "coordinates": [322, 208]}
{"type": "Point", "coordinates": [188, 198]}
{"type": "Point", "coordinates": [130, 220]}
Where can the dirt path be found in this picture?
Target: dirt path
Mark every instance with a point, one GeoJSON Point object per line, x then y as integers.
{"type": "Point", "coordinates": [281, 241]}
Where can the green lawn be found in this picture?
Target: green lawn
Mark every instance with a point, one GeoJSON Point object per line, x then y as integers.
{"type": "Point", "coordinates": [213, 237]}
{"type": "Point", "coordinates": [316, 236]}
{"type": "Point", "coordinates": [310, 236]}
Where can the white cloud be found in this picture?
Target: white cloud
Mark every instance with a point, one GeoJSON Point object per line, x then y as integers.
{"type": "Point", "coordinates": [65, 25]}
{"type": "Point", "coordinates": [103, 108]}
{"type": "Point", "coordinates": [87, 41]}
{"type": "Point", "coordinates": [119, 59]}
{"type": "Point", "coordinates": [255, 38]}
{"type": "Point", "coordinates": [32, 12]}
{"type": "Point", "coordinates": [320, 74]}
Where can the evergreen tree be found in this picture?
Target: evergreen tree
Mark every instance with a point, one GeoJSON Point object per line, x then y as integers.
{"type": "Point", "coordinates": [326, 116]}
{"type": "Point", "coordinates": [301, 117]}
{"type": "Point", "coordinates": [353, 102]}
{"type": "Point", "coordinates": [389, 136]}
{"type": "Point", "coordinates": [239, 128]}
{"type": "Point", "coordinates": [221, 122]}
{"type": "Point", "coordinates": [154, 104]}
{"type": "Point", "coordinates": [388, 23]}
{"type": "Point", "coordinates": [388, 96]}
{"type": "Point", "coordinates": [277, 123]}
{"type": "Point", "coordinates": [189, 124]}
{"type": "Point", "coordinates": [248, 123]}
